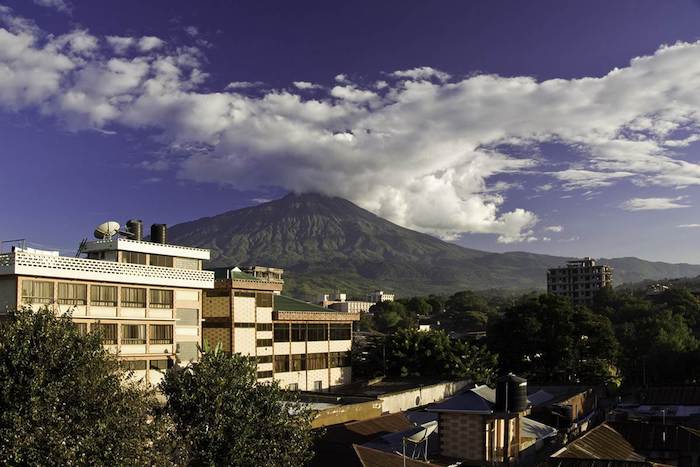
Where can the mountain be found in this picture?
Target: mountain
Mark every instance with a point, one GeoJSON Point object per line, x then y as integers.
{"type": "Point", "coordinates": [326, 243]}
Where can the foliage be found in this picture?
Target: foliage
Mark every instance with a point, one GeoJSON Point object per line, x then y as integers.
{"type": "Point", "coordinates": [390, 316]}
{"type": "Point", "coordinates": [224, 417]}
{"type": "Point", "coordinates": [430, 355]}
{"type": "Point", "coordinates": [64, 400]}
{"type": "Point", "coordinates": [546, 339]}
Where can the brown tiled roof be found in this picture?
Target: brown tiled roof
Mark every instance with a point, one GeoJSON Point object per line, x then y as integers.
{"type": "Point", "coordinates": [602, 442]}
{"type": "Point", "coordinates": [671, 395]}
{"type": "Point", "coordinates": [335, 449]}
{"type": "Point", "coordinates": [374, 458]}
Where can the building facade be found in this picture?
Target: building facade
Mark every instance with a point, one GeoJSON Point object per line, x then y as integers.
{"type": "Point", "coordinates": [579, 280]}
{"type": "Point", "coordinates": [145, 298]}
{"type": "Point", "coordinates": [303, 346]}
{"type": "Point", "coordinates": [380, 296]}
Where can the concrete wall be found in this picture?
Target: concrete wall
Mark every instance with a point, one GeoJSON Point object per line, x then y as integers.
{"type": "Point", "coordinates": [409, 399]}
{"type": "Point", "coordinates": [347, 413]}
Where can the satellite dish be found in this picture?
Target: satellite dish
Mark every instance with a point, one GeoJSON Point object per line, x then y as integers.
{"type": "Point", "coordinates": [107, 230]}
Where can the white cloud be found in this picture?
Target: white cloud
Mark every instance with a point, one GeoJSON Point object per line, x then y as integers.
{"type": "Point", "coordinates": [306, 85]}
{"type": "Point", "coordinates": [422, 73]}
{"type": "Point", "coordinates": [420, 153]}
{"type": "Point", "coordinates": [148, 43]}
{"type": "Point", "coordinates": [553, 228]}
{"type": "Point", "coordinates": [244, 84]}
{"type": "Point", "coordinates": [60, 5]}
{"type": "Point", "coordinates": [647, 204]}
{"type": "Point", "coordinates": [192, 31]}
{"type": "Point", "coordinates": [688, 226]}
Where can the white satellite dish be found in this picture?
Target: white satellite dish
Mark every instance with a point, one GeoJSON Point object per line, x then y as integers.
{"type": "Point", "coordinates": [107, 230]}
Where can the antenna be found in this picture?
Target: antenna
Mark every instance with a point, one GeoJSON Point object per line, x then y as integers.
{"type": "Point", "coordinates": [424, 431]}
{"type": "Point", "coordinates": [107, 230]}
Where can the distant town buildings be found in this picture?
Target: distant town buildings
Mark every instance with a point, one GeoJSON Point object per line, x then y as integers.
{"type": "Point", "coordinates": [579, 280]}
{"type": "Point", "coordinates": [339, 301]}
{"type": "Point", "coordinates": [303, 346]}
{"type": "Point", "coordinates": [144, 297]}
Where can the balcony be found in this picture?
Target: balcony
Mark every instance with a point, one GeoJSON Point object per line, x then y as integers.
{"type": "Point", "coordinates": [65, 267]}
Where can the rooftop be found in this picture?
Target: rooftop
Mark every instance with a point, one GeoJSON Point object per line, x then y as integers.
{"type": "Point", "coordinates": [140, 246]}
{"type": "Point", "coordinates": [46, 264]}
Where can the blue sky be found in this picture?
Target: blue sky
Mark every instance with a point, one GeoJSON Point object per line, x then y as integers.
{"type": "Point", "coordinates": [568, 128]}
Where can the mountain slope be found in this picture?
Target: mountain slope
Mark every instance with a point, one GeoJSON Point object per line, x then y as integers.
{"type": "Point", "coordinates": [327, 243]}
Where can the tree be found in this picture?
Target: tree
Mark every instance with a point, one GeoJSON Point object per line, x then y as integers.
{"type": "Point", "coordinates": [223, 416]}
{"type": "Point", "coordinates": [433, 354]}
{"type": "Point", "coordinates": [419, 306]}
{"type": "Point", "coordinates": [546, 339]}
{"type": "Point", "coordinates": [64, 400]}
{"type": "Point", "coordinates": [390, 316]}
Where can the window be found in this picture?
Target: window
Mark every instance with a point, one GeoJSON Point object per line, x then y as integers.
{"type": "Point", "coordinates": [133, 257]}
{"type": "Point", "coordinates": [133, 297]}
{"type": "Point", "coordinates": [161, 298]}
{"type": "Point", "coordinates": [186, 263]}
{"type": "Point", "coordinates": [263, 342]}
{"type": "Point", "coordinates": [244, 325]}
{"type": "Point", "coordinates": [161, 334]}
{"type": "Point", "coordinates": [37, 291]}
{"type": "Point", "coordinates": [293, 387]}
{"type": "Point", "coordinates": [263, 299]}
{"type": "Point", "coordinates": [298, 332]}
{"type": "Point", "coordinates": [241, 293]}
{"type": "Point", "coordinates": [162, 261]}
{"type": "Point", "coordinates": [341, 332]}
{"type": "Point", "coordinates": [72, 294]}
{"type": "Point", "coordinates": [317, 361]}
{"type": "Point", "coordinates": [281, 363]}
{"type": "Point", "coordinates": [339, 359]}
{"type": "Point", "coordinates": [299, 362]}
{"type": "Point", "coordinates": [160, 364]}
{"type": "Point", "coordinates": [187, 316]}
{"type": "Point", "coordinates": [317, 332]}
{"type": "Point", "coordinates": [318, 385]}
{"type": "Point", "coordinates": [133, 334]}
{"type": "Point", "coordinates": [281, 332]}
{"type": "Point", "coordinates": [264, 359]}
{"type": "Point", "coordinates": [216, 293]}
{"type": "Point", "coordinates": [108, 332]}
{"type": "Point", "coordinates": [263, 327]}
{"type": "Point", "coordinates": [103, 295]}
{"type": "Point", "coordinates": [81, 327]}
{"type": "Point", "coordinates": [264, 374]}
{"type": "Point", "coordinates": [187, 351]}
{"type": "Point", "coordinates": [133, 364]}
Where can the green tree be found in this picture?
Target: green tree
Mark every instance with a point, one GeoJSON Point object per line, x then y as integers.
{"type": "Point", "coordinates": [419, 306]}
{"type": "Point", "coordinates": [224, 417]}
{"type": "Point", "coordinates": [546, 339]}
{"type": "Point", "coordinates": [434, 355]}
{"type": "Point", "coordinates": [64, 400]}
{"type": "Point", "coordinates": [390, 316]}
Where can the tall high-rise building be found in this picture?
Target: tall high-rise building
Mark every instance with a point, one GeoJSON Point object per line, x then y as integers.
{"type": "Point", "coordinates": [579, 280]}
{"type": "Point", "coordinates": [144, 297]}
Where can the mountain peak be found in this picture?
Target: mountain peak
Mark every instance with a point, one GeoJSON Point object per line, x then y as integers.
{"type": "Point", "coordinates": [328, 243]}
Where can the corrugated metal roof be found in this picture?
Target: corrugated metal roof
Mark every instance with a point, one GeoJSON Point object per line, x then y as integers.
{"type": "Point", "coordinates": [602, 442]}
{"type": "Point", "coordinates": [374, 458]}
{"type": "Point", "coordinates": [658, 437]}
{"type": "Point", "coordinates": [476, 400]}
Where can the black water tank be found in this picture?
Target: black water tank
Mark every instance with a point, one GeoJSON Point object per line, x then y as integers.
{"type": "Point", "coordinates": [511, 394]}
{"type": "Point", "coordinates": [159, 233]}
{"type": "Point", "coordinates": [135, 228]}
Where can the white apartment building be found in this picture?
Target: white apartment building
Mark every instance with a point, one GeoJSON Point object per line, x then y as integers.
{"type": "Point", "coordinates": [144, 297]}
{"type": "Point", "coordinates": [303, 346]}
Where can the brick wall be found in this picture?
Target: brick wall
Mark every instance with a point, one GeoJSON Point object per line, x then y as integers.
{"type": "Point", "coordinates": [462, 436]}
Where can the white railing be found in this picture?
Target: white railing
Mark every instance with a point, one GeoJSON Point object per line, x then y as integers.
{"type": "Point", "coordinates": [89, 269]}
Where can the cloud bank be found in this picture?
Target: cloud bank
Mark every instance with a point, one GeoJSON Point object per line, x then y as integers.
{"type": "Point", "coordinates": [419, 147]}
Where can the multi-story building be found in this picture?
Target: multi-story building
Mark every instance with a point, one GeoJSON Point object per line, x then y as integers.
{"type": "Point", "coordinates": [144, 297]}
{"type": "Point", "coordinates": [579, 280]}
{"type": "Point", "coordinates": [380, 296]}
{"type": "Point", "coordinates": [301, 345]}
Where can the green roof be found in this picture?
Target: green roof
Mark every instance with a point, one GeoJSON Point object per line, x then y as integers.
{"type": "Point", "coordinates": [284, 303]}
{"type": "Point", "coordinates": [243, 276]}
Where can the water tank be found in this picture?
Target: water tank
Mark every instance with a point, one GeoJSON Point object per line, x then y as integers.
{"type": "Point", "coordinates": [135, 228]}
{"type": "Point", "coordinates": [159, 233]}
{"type": "Point", "coordinates": [511, 394]}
